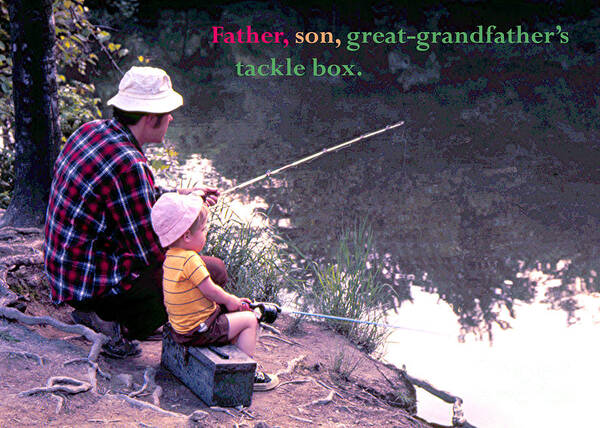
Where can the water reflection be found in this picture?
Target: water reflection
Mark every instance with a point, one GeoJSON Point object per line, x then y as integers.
{"type": "Point", "coordinates": [471, 233]}
{"type": "Point", "coordinates": [499, 248]}
{"type": "Point", "coordinates": [540, 373]}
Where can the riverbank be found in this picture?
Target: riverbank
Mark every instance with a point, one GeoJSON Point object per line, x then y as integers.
{"type": "Point", "coordinates": [330, 381]}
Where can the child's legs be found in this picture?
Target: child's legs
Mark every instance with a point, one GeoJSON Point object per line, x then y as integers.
{"type": "Point", "coordinates": [242, 330]}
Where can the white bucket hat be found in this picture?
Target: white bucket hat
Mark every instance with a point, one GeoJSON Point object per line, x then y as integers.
{"type": "Point", "coordinates": [173, 214]}
{"type": "Point", "coordinates": [147, 90]}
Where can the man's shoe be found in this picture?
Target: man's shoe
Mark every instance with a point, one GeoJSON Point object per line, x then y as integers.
{"type": "Point", "coordinates": [121, 348]}
{"type": "Point", "coordinates": [265, 382]}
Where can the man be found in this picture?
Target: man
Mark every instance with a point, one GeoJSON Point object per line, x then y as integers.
{"type": "Point", "coordinates": [101, 255]}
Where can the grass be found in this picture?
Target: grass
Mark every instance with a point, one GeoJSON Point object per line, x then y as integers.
{"type": "Point", "coordinates": [350, 287]}
{"type": "Point", "coordinates": [254, 257]}
{"type": "Point", "coordinates": [343, 364]}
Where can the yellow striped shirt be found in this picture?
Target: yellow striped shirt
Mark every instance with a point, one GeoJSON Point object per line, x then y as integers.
{"type": "Point", "coordinates": [187, 307]}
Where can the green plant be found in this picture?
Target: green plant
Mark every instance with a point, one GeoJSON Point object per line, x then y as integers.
{"type": "Point", "coordinates": [351, 287]}
{"type": "Point", "coordinates": [7, 174]}
{"type": "Point", "coordinates": [343, 364]}
{"type": "Point", "coordinates": [253, 256]}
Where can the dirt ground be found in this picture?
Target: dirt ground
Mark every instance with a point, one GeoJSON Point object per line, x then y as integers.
{"type": "Point", "coordinates": [365, 392]}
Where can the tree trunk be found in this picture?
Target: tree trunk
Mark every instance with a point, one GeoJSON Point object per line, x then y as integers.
{"type": "Point", "coordinates": [37, 130]}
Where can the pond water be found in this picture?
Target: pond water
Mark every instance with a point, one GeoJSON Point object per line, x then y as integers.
{"type": "Point", "coordinates": [496, 252]}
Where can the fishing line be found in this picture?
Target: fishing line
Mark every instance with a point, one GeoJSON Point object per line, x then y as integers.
{"type": "Point", "coordinates": [312, 157]}
{"type": "Point", "coordinates": [378, 324]}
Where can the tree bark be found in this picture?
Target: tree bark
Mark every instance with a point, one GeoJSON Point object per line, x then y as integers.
{"type": "Point", "coordinates": [37, 130]}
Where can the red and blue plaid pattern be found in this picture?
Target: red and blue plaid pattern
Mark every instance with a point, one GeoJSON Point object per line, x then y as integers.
{"type": "Point", "coordinates": [98, 235]}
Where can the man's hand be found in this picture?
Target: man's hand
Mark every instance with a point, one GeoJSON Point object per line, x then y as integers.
{"type": "Point", "coordinates": [210, 195]}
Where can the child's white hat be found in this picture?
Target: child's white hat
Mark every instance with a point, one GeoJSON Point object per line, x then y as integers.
{"type": "Point", "coordinates": [173, 214]}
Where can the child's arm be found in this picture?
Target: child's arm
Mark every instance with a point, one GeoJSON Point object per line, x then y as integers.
{"type": "Point", "coordinates": [215, 293]}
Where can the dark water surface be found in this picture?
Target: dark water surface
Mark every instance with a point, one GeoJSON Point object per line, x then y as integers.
{"type": "Point", "coordinates": [498, 250]}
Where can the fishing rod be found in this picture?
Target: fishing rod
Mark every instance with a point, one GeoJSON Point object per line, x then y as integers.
{"type": "Point", "coordinates": [312, 157]}
{"type": "Point", "coordinates": [267, 312]}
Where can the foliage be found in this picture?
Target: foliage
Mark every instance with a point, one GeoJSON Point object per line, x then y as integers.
{"type": "Point", "coordinates": [351, 287]}
{"type": "Point", "coordinates": [254, 259]}
{"type": "Point", "coordinates": [7, 175]}
{"type": "Point", "coordinates": [76, 106]}
{"type": "Point", "coordinates": [76, 40]}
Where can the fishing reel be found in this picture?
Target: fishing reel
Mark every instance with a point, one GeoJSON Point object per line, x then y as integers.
{"type": "Point", "coordinates": [265, 312]}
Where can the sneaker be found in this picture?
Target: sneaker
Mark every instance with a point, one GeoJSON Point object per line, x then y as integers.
{"type": "Point", "coordinates": [121, 348]}
{"type": "Point", "coordinates": [265, 382]}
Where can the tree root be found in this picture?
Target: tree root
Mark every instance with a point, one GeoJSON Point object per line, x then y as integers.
{"type": "Point", "coordinates": [149, 374]}
{"type": "Point", "coordinates": [223, 410]}
{"type": "Point", "coordinates": [308, 421]}
{"type": "Point", "coordinates": [93, 364]}
{"type": "Point", "coordinates": [97, 339]}
{"type": "Point", "coordinates": [293, 381]}
{"type": "Point", "coordinates": [23, 259]}
{"type": "Point", "coordinates": [322, 401]}
{"type": "Point", "coordinates": [271, 329]}
{"type": "Point", "coordinates": [291, 366]}
{"type": "Point", "coordinates": [36, 357]}
{"type": "Point", "coordinates": [61, 401]}
{"type": "Point", "coordinates": [156, 395]}
{"type": "Point", "coordinates": [59, 384]}
{"type": "Point", "coordinates": [330, 388]}
{"type": "Point", "coordinates": [11, 232]}
{"type": "Point", "coordinates": [144, 405]}
{"type": "Point", "coordinates": [245, 412]}
{"type": "Point", "coordinates": [195, 416]}
{"type": "Point", "coordinates": [270, 336]}
{"type": "Point", "coordinates": [458, 417]}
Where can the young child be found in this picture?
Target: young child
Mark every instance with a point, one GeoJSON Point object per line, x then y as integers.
{"type": "Point", "coordinates": [200, 312]}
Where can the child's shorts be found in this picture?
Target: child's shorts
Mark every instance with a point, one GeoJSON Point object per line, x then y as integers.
{"type": "Point", "coordinates": [217, 333]}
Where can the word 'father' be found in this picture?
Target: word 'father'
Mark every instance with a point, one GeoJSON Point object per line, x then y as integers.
{"type": "Point", "coordinates": [247, 36]}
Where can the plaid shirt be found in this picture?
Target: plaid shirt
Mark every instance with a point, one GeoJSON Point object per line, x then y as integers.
{"type": "Point", "coordinates": [98, 234]}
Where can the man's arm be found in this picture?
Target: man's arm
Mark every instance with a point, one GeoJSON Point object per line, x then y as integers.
{"type": "Point", "coordinates": [210, 195]}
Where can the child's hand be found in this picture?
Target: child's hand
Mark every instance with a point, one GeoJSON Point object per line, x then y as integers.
{"type": "Point", "coordinates": [246, 304]}
{"type": "Point", "coordinates": [235, 304]}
